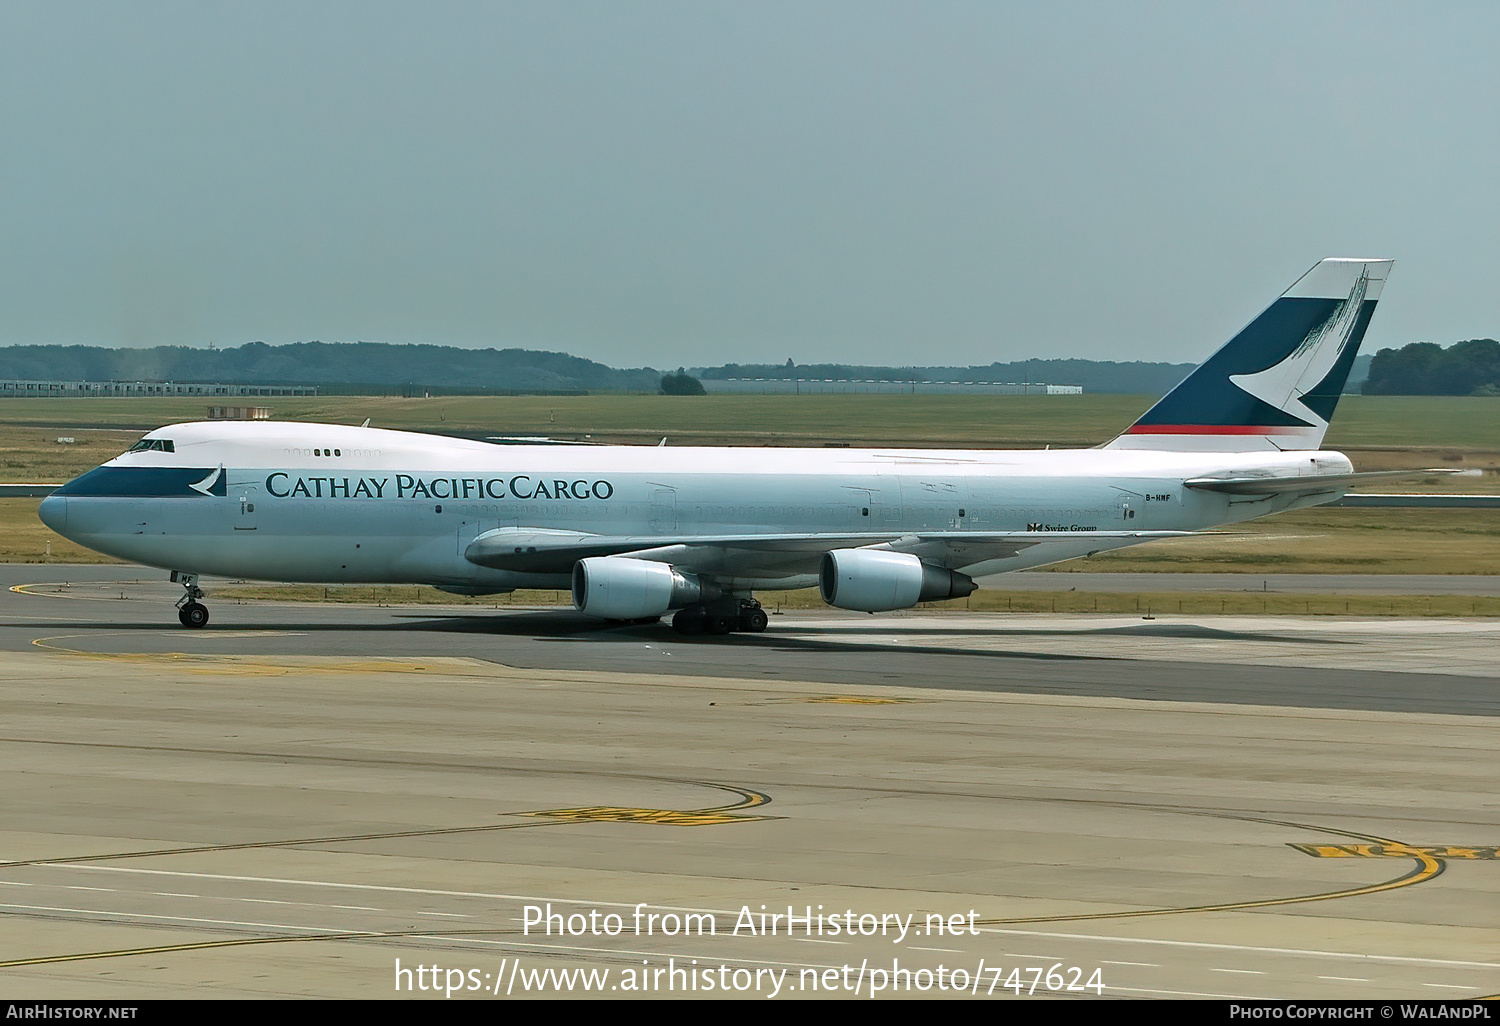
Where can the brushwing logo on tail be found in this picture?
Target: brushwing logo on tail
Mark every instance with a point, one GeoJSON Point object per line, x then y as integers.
{"type": "Point", "coordinates": [1275, 384]}
{"type": "Point", "coordinates": [1284, 385]}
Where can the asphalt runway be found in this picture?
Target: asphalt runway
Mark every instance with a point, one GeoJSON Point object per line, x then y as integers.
{"type": "Point", "coordinates": [306, 800]}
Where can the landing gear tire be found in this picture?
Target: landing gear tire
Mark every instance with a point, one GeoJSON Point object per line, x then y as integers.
{"type": "Point", "coordinates": [721, 617]}
{"type": "Point", "coordinates": [194, 615]}
{"type": "Point", "coordinates": [753, 620]}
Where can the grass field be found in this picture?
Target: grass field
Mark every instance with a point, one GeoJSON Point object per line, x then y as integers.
{"type": "Point", "coordinates": [1378, 433]}
{"type": "Point", "coordinates": [1461, 425]}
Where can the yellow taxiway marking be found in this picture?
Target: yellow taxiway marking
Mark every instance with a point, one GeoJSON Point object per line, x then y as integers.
{"type": "Point", "coordinates": [59, 587]}
{"type": "Point", "coordinates": [1394, 850]}
{"type": "Point", "coordinates": [716, 816]}
{"type": "Point", "coordinates": [81, 590]}
{"type": "Point", "coordinates": [841, 700]}
{"type": "Point", "coordinates": [659, 817]}
{"type": "Point", "coordinates": [1428, 866]}
{"type": "Point", "coordinates": [855, 700]}
{"type": "Point", "coordinates": [748, 799]}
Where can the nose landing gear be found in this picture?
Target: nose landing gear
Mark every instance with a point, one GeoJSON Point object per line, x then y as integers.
{"type": "Point", "coordinates": [190, 611]}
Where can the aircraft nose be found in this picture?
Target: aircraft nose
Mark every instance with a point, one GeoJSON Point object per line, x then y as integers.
{"type": "Point", "coordinates": [54, 513]}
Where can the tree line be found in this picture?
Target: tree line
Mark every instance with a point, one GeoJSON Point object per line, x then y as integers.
{"type": "Point", "coordinates": [1133, 378]}
{"type": "Point", "coordinates": [1421, 368]}
{"type": "Point", "coordinates": [338, 367]}
{"type": "Point", "coordinates": [1426, 368]}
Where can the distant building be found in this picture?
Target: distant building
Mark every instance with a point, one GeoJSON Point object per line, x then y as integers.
{"type": "Point", "coordinates": [239, 413]}
{"type": "Point", "coordinates": [135, 389]}
{"type": "Point", "coordinates": [820, 386]}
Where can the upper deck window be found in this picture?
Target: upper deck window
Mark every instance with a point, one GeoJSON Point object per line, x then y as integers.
{"type": "Point", "coordinates": [153, 445]}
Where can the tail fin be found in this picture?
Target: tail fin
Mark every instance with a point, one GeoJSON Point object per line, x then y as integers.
{"type": "Point", "coordinates": [1275, 384]}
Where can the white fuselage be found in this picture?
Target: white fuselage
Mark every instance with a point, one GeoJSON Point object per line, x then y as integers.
{"type": "Point", "coordinates": [392, 506]}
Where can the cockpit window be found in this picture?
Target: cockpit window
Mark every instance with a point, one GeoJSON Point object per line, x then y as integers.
{"type": "Point", "coordinates": [153, 445]}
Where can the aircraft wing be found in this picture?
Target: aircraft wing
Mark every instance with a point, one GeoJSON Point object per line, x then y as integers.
{"type": "Point", "coordinates": [537, 550]}
{"type": "Point", "coordinates": [1306, 484]}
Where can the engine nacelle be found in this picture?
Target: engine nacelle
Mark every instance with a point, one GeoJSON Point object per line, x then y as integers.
{"type": "Point", "coordinates": [874, 580]}
{"type": "Point", "coordinates": [617, 588]}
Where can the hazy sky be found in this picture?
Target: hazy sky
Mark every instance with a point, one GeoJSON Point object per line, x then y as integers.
{"type": "Point", "coordinates": [702, 182]}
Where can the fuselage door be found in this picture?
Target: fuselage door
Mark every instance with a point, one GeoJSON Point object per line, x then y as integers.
{"type": "Point", "coordinates": [244, 516]}
{"type": "Point", "coordinates": [468, 530]}
{"type": "Point", "coordinates": [885, 500]}
{"type": "Point", "coordinates": [1131, 504]}
{"type": "Point", "coordinates": [934, 501]}
{"type": "Point", "coordinates": [663, 515]}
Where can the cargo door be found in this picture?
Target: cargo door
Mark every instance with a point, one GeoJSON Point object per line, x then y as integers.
{"type": "Point", "coordinates": [885, 500]}
{"type": "Point", "coordinates": [662, 518]}
{"type": "Point", "coordinates": [934, 502]}
{"type": "Point", "coordinates": [468, 530]}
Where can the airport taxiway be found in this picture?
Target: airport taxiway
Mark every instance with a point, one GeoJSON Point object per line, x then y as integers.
{"type": "Point", "coordinates": [298, 796]}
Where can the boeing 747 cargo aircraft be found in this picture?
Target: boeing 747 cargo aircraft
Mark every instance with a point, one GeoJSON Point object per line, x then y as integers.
{"type": "Point", "coordinates": [638, 532]}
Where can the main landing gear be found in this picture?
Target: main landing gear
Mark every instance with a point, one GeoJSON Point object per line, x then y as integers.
{"type": "Point", "coordinates": [190, 611]}
{"type": "Point", "coordinates": [722, 617]}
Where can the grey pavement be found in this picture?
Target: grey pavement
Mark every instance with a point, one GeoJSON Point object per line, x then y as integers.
{"type": "Point", "coordinates": [295, 798]}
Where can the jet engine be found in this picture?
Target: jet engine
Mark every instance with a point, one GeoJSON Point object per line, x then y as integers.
{"type": "Point", "coordinates": [874, 580]}
{"type": "Point", "coordinates": [617, 588]}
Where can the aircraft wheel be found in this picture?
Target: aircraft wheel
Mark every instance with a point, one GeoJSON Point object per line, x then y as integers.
{"type": "Point", "coordinates": [719, 625]}
{"type": "Point", "coordinates": [194, 614]}
{"type": "Point", "coordinates": [689, 620]}
{"type": "Point", "coordinates": [754, 620]}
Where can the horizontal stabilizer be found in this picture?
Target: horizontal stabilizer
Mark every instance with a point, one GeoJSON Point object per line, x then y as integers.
{"type": "Point", "coordinates": [1303, 484]}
